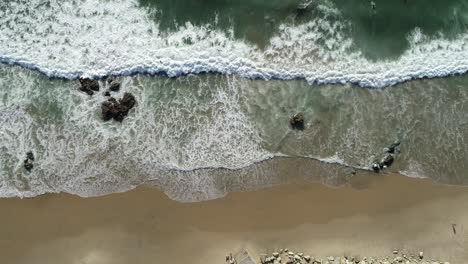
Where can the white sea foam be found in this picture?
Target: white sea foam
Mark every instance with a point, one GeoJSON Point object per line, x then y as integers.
{"type": "Point", "coordinates": [414, 170]}
{"type": "Point", "coordinates": [98, 38]}
{"type": "Point", "coordinates": [78, 153]}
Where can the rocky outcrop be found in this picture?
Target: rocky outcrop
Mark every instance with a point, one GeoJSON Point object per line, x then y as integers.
{"type": "Point", "coordinates": [117, 110]}
{"type": "Point", "coordinates": [89, 86]}
{"type": "Point", "coordinates": [297, 121]}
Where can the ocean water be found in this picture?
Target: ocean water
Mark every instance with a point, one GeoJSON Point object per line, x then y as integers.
{"type": "Point", "coordinates": [216, 83]}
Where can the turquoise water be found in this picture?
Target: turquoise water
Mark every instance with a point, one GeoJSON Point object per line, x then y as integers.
{"type": "Point", "coordinates": [216, 83]}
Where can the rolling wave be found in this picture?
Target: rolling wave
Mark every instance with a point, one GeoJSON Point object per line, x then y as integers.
{"type": "Point", "coordinates": [93, 38]}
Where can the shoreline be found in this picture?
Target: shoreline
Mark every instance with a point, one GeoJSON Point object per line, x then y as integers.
{"type": "Point", "coordinates": [372, 216]}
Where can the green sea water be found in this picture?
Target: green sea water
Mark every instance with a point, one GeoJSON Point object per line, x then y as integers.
{"type": "Point", "coordinates": [379, 33]}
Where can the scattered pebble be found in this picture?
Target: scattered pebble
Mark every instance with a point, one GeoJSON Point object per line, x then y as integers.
{"type": "Point", "coordinates": [399, 257]}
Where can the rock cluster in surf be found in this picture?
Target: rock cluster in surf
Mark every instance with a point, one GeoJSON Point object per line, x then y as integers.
{"type": "Point", "coordinates": [288, 257]}
{"type": "Point", "coordinates": [117, 110]}
{"type": "Point", "coordinates": [111, 108]}
{"type": "Point", "coordinates": [388, 157]}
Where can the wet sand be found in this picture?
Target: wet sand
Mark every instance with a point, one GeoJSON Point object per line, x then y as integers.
{"type": "Point", "coordinates": [371, 217]}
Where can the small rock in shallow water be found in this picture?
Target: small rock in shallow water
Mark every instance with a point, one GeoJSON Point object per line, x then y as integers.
{"type": "Point", "coordinates": [376, 167]}
{"type": "Point", "coordinates": [28, 162]}
{"type": "Point", "coordinates": [297, 121]}
{"type": "Point", "coordinates": [114, 86]}
{"type": "Point", "coordinates": [28, 165]}
{"type": "Point", "coordinates": [30, 155]}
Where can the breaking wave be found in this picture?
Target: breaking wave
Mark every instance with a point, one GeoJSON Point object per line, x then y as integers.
{"type": "Point", "coordinates": [93, 38]}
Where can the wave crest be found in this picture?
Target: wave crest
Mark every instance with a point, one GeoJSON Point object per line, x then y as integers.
{"type": "Point", "coordinates": [101, 38]}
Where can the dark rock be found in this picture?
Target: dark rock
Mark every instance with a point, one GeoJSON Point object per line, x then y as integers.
{"type": "Point", "coordinates": [89, 92]}
{"type": "Point", "coordinates": [297, 121]}
{"type": "Point", "coordinates": [128, 100]}
{"type": "Point", "coordinates": [392, 148]}
{"type": "Point", "coordinates": [28, 164]}
{"type": "Point", "coordinates": [89, 86]}
{"type": "Point", "coordinates": [30, 155]}
{"type": "Point", "coordinates": [302, 8]}
{"type": "Point", "coordinates": [114, 86]}
{"type": "Point", "coordinates": [376, 166]}
{"type": "Point", "coordinates": [117, 110]}
{"type": "Point", "coordinates": [387, 161]}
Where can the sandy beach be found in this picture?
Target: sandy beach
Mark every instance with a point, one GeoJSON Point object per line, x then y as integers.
{"type": "Point", "coordinates": [372, 216]}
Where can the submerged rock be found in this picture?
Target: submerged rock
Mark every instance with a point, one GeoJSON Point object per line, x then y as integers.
{"type": "Point", "coordinates": [89, 86]}
{"type": "Point", "coordinates": [392, 148]}
{"type": "Point", "coordinates": [297, 121]}
{"type": "Point", "coordinates": [303, 7]}
{"type": "Point", "coordinates": [117, 110]}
